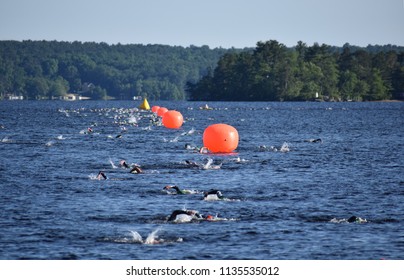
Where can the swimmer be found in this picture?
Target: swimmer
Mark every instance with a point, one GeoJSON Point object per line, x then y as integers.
{"type": "Point", "coordinates": [285, 148]}
{"type": "Point", "coordinates": [213, 195]}
{"type": "Point", "coordinates": [318, 140]}
{"type": "Point", "coordinates": [124, 164]}
{"type": "Point", "coordinates": [205, 107]}
{"type": "Point", "coordinates": [136, 170]}
{"type": "Point", "coordinates": [178, 190]}
{"type": "Point", "coordinates": [211, 218]}
{"type": "Point", "coordinates": [354, 219]}
{"type": "Point", "coordinates": [89, 130]}
{"type": "Point", "coordinates": [209, 165]}
{"type": "Point", "coordinates": [101, 175]}
{"type": "Point", "coordinates": [263, 148]}
{"type": "Point", "coordinates": [184, 216]}
{"type": "Point", "coordinates": [191, 163]}
{"type": "Point", "coordinates": [189, 147]}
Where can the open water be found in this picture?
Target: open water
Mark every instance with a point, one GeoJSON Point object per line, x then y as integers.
{"type": "Point", "coordinates": [289, 203]}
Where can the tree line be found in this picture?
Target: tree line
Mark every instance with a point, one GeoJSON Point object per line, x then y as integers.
{"type": "Point", "coordinates": [269, 72]}
{"type": "Point", "coordinates": [50, 69]}
{"type": "Point", "coordinates": [273, 72]}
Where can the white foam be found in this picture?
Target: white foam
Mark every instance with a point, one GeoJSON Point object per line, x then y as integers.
{"type": "Point", "coordinates": [112, 164]}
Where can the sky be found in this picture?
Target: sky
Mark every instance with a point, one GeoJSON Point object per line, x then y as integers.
{"type": "Point", "coordinates": [215, 23]}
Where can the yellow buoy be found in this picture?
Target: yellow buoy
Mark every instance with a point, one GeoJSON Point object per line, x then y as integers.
{"type": "Point", "coordinates": [145, 105]}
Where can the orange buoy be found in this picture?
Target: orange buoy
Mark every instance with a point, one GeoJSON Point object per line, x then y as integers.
{"type": "Point", "coordinates": [172, 119]}
{"type": "Point", "coordinates": [161, 111]}
{"type": "Point", "coordinates": [155, 109]}
{"type": "Point", "coordinates": [220, 138]}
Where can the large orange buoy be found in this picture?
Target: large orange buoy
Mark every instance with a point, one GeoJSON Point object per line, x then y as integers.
{"type": "Point", "coordinates": [220, 138]}
{"type": "Point", "coordinates": [172, 119]}
{"type": "Point", "coordinates": [161, 111]}
{"type": "Point", "coordinates": [155, 109]}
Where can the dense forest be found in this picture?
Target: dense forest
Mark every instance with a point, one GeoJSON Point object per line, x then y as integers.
{"type": "Point", "coordinates": [273, 72]}
{"type": "Point", "coordinates": [50, 69]}
{"type": "Point", "coordinates": [270, 72]}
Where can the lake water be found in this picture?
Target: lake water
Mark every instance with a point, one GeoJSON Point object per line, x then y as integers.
{"type": "Point", "coordinates": [282, 204]}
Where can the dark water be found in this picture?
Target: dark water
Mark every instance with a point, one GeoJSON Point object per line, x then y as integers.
{"type": "Point", "coordinates": [282, 203]}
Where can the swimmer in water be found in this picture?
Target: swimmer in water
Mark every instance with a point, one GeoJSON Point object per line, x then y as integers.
{"type": "Point", "coordinates": [354, 219]}
{"type": "Point", "coordinates": [101, 176]}
{"type": "Point", "coordinates": [124, 164]}
{"type": "Point", "coordinates": [211, 218]}
{"type": "Point", "coordinates": [191, 163]}
{"type": "Point", "coordinates": [318, 140]}
{"type": "Point", "coordinates": [189, 147]}
{"type": "Point", "coordinates": [136, 170]}
{"type": "Point", "coordinates": [213, 195]}
{"type": "Point", "coordinates": [178, 190]}
{"type": "Point", "coordinates": [184, 216]}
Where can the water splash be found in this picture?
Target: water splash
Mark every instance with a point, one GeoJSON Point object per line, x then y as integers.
{"type": "Point", "coordinates": [175, 140]}
{"type": "Point", "coordinates": [93, 177]}
{"type": "Point", "coordinates": [112, 164]}
{"type": "Point", "coordinates": [190, 132]}
{"type": "Point", "coordinates": [239, 160]}
{"type": "Point", "coordinates": [285, 148]}
{"type": "Point", "coordinates": [132, 120]}
{"type": "Point", "coordinates": [210, 165]}
{"type": "Point", "coordinates": [357, 220]}
{"type": "Point", "coordinates": [152, 237]}
{"type": "Point", "coordinates": [49, 143]}
{"type": "Point", "coordinates": [6, 140]}
{"type": "Point", "coordinates": [136, 237]}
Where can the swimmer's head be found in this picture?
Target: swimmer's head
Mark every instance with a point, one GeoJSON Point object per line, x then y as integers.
{"type": "Point", "coordinates": [209, 217]}
{"type": "Point", "coordinates": [352, 219]}
{"type": "Point", "coordinates": [167, 187]}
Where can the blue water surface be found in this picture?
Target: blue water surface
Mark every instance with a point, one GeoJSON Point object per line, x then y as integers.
{"type": "Point", "coordinates": [289, 203]}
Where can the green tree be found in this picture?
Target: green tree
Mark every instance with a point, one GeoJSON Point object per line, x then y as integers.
{"type": "Point", "coordinates": [37, 87]}
{"type": "Point", "coordinates": [58, 87]}
{"type": "Point", "coordinates": [348, 85]}
{"type": "Point", "coordinates": [378, 90]}
{"type": "Point", "coordinates": [326, 61]}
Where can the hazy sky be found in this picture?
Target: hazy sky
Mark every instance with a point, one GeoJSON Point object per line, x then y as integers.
{"type": "Point", "coordinates": [216, 23]}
